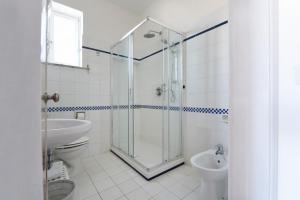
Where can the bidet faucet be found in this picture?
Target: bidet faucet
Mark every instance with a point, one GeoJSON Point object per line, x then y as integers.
{"type": "Point", "coordinates": [220, 149]}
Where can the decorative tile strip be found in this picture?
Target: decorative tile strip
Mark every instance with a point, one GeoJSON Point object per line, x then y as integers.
{"type": "Point", "coordinates": [77, 108]}
{"type": "Point", "coordinates": [218, 111]}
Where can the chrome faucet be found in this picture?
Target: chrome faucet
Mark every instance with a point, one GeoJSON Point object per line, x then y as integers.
{"type": "Point", "coordinates": [220, 149]}
{"type": "Point", "coordinates": [161, 89]}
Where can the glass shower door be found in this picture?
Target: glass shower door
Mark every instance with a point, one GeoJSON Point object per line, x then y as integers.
{"type": "Point", "coordinates": [172, 129]}
{"type": "Point", "coordinates": [158, 85]}
{"type": "Point", "coordinates": [121, 96]}
{"type": "Point", "coordinates": [148, 100]}
{"type": "Point", "coordinates": [174, 53]}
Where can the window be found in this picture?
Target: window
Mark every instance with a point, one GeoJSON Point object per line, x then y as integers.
{"type": "Point", "coordinates": [65, 35]}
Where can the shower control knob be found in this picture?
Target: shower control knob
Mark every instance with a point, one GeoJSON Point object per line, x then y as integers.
{"type": "Point", "coordinates": [159, 91]}
{"type": "Point", "coordinates": [46, 97]}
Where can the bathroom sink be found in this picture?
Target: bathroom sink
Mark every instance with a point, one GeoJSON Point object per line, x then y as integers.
{"type": "Point", "coordinates": [64, 131]}
{"type": "Point", "coordinates": [210, 165]}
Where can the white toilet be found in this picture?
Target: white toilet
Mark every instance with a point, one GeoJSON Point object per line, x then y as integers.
{"type": "Point", "coordinates": [71, 154]}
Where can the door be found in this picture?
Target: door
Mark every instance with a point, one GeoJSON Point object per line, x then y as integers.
{"type": "Point", "coordinates": [44, 60]}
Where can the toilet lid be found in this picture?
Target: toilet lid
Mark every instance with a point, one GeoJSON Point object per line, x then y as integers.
{"type": "Point", "coordinates": [79, 142]}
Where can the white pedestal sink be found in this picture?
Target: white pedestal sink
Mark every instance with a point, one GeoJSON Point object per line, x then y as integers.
{"type": "Point", "coordinates": [213, 169]}
{"type": "Point", "coordinates": [64, 131]}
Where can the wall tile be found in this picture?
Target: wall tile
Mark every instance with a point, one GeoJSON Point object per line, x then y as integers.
{"type": "Point", "coordinates": [207, 80]}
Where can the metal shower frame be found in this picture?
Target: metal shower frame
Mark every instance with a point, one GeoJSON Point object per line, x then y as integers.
{"type": "Point", "coordinates": [165, 165]}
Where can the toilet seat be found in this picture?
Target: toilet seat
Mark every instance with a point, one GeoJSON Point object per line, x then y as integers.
{"type": "Point", "coordinates": [80, 142]}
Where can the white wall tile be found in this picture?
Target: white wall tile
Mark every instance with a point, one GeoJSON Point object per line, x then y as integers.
{"type": "Point", "coordinates": [207, 81]}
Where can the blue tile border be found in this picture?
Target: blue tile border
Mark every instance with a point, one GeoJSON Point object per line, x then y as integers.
{"type": "Point", "coordinates": [218, 111]}
{"type": "Point", "coordinates": [77, 108]}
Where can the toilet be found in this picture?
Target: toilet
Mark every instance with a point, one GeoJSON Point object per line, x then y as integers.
{"type": "Point", "coordinates": [71, 153]}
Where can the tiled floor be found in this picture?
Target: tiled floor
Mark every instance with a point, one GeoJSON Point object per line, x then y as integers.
{"type": "Point", "coordinates": [106, 177]}
{"type": "Point", "coordinates": [147, 153]}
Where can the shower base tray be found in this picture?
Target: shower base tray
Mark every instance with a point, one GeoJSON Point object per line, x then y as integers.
{"type": "Point", "coordinates": [147, 173]}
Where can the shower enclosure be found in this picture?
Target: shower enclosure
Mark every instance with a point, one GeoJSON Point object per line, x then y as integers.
{"type": "Point", "coordinates": [146, 89]}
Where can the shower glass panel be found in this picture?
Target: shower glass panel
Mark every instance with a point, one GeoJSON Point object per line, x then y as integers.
{"type": "Point", "coordinates": [148, 79]}
{"type": "Point", "coordinates": [146, 83]}
{"type": "Point", "coordinates": [120, 96]}
{"type": "Point", "coordinates": [174, 53]}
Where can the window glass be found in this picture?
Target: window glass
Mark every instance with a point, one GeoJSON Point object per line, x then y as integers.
{"type": "Point", "coordinates": [65, 36]}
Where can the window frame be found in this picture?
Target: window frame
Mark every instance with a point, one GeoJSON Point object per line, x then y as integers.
{"type": "Point", "coordinates": [61, 10]}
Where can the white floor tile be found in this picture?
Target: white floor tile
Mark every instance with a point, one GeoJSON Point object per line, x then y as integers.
{"type": "Point", "coordinates": [132, 173]}
{"type": "Point", "coordinates": [128, 186]}
{"type": "Point", "coordinates": [99, 176]}
{"type": "Point", "coordinates": [85, 189]}
{"type": "Point", "coordinates": [186, 170]}
{"type": "Point", "coordinates": [196, 176]}
{"type": "Point", "coordinates": [165, 195]}
{"type": "Point", "coordinates": [179, 190]}
{"type": "Point", "coordinates": [176, 175]}
{"type": "Point", "coordinates": [141, 180]}
{"type": "Point", "coordinates": [111, 194]}
{"type": "Point", "coordinates": [115, 180]}
{"type": "Point", "coordinates": [114, 170]}
{"type": "Point", "coordinates": [153, 188]}
{"type": "Point", "coordinates": [108, 165]}
{"type": "Point", "coordinates": [122, 198]}
{"type": "Point", "coordinates": [166, 180]}
{"type": "Point", "coordinates": [198, 191]}
{"type": "Point", "coordinates": [88, 161]}
{"type": "Point", "coordinates": [103, 184]}
{"type": "Point", "coordinates": [106, 155]}
{"type": "Point", "coordinates": [190, 182]}
{"type": "Point", "coordinates": [192, 196]}
{"type": "Point", "coordinates": [138, 194]}
{"type": "Point", "coordinates": [118, 162]}
{"type": "Point", "coordinates": [94, 169]}
{"type": "Point", "coordinates": [81, 177]}
{"type": "Point", "coordinates": [94, 197]}
{"type": "Point", "coordinates": [120, 177]}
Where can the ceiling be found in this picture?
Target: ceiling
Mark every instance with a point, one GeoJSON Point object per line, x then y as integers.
{"type": "Point", "coordinates": [137, 6]}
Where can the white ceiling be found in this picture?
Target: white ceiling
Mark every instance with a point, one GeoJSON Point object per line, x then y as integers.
{"type": "Point", "coordinates": [138, 6]}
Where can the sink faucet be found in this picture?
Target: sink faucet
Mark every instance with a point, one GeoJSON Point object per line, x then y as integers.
{"type": "Point", "coordinates": [220, 149]}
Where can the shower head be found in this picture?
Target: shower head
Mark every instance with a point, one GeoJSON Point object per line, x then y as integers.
{"type": "Point", "coordinates": [151, 34]}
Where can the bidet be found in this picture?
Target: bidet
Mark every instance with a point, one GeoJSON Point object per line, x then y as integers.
{"type": "Point", "coordinates": [213, 168]}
